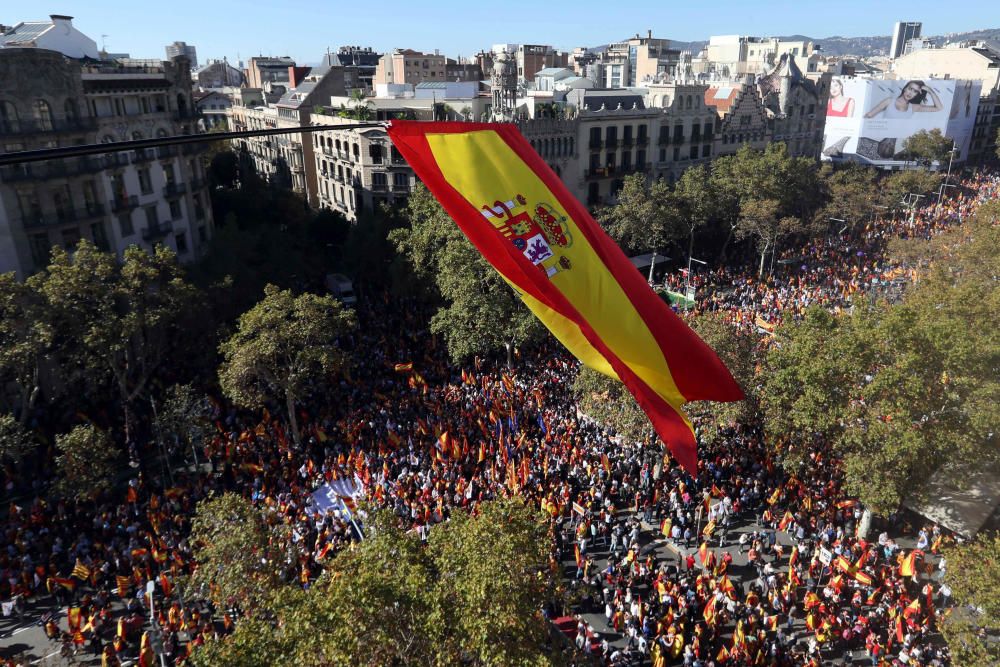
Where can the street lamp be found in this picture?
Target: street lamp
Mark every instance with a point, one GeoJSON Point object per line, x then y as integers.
{"type": "Point", "coordinates": [910, 201]}
{"type": "Point", "coordinates": [951, 158]}
{"type": "Point", "coordinates": [840, 220]}
{"type": "Point", "coordinates": [687, 287]}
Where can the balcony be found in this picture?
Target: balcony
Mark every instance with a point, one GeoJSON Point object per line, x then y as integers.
{"type": "Point", "coordinates": [627, 142]}
{"type": "Point", "coordinates": [186, 115]}
{"type": "Point", "coordinates": [596, 144]}
{"type": "Point", "coordinates": [166, 152]}
{"type": "Point", "coordinates": [42, 171]}
{"type": "Point", "coordinates": [143, 155]}
{"type": "Point", "coordinates": [642, 140]}
{"type": "Point", "coordinates": [157, 231]}
{"type": "Point", "coordinates": [380, 187]}
{"type": "Point", "coordinates": [328, 151]}
{"type": "Point", "coordinates": [611, 144]}
{"type": "Point", "coordinates": [601, 172]}
{"type": "Point", "coordinates": [679, 139]}
{"type": "Point", "coordinates": [43, 126]}
{"type": "Point", "coordinates": [397, 161]}
{"type": "Point", "coordinates": [664, 140]}
{"type": "Point", "coordinates": [124, 204]}
{"type": "Point", "coordinates": [401, 187]}
{"type": "Point", "coordinates": [38, 219]}
{"type": "Point", "coordinates": [174, 189]}
{"type": "Point", "coordinates": [197, 183]}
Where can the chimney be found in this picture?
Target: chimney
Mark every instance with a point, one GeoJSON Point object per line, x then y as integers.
{"type": "Point", "coordinates": [649, 34]}
{"type": "Point", "coordinates": [60, 19]}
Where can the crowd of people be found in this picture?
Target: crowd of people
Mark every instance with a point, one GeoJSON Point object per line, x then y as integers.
{"type": "Point", "coordinates": [425, 439]}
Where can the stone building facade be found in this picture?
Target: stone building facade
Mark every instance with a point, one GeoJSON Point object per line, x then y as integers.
{"type": "Point", "coordinates": [144, 198]}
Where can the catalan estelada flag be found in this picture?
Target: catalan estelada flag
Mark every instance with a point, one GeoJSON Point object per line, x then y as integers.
{"type": "Point", "coordinates": [571, 275]}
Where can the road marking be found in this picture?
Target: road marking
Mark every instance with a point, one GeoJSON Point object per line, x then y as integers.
{"type": "Point", "coordinates": [27, 627]}
{"type": "Point", "coordinates": [41, 660]}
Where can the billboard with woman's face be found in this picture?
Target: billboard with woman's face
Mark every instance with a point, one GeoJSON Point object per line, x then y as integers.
{"type": "Point", "coordinates": [869, 121]}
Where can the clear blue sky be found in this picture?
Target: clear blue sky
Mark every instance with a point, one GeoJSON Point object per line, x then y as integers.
{"type": "Point", "coordinates": [304, 29]}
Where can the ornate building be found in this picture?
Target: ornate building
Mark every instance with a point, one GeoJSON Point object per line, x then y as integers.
{"type": "Point", "coordinates": [504, 88]}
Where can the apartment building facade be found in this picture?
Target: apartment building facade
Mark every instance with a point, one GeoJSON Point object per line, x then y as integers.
{"type": "Point", "coordinates": [358, 169]}
{"type": "Point", "coordinates": [144, 198]}
{"type": "Point", "coordinates": [409, 66]}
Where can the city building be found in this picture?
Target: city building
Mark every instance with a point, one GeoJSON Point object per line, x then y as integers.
{"type": "Point", "coordinates": [57, 34]}
{"type": "Point", "coordinates": [409, 66]}
{"type": "Point", "coordinates": [735, 55]}
{"type": "Point", "coordinates": [971, 61]}
{"type": "Point", "coordinates": [903, 32]}
{"type": "Point", "coordinates": [213, 109]}
{"type": "Point", "coordinates": [363, 59]}
{"type": "Point", "coordinates": [144, 198]}
{"type": "Point", "coordinates": [637, 60]}
{"type": "Point", "coordinates": [219, 74]}
{"type": "Point", "coordinates": [266, 70]}
{"type": "Point", "coordinates": [534, 57]}
{"type": "Point", "coordinates": [358, 169]}
{"type": "Point", "coordinates": [183, 49]}
{"type": "Point", "coordinates": [742, 117]}
{"type": "Point", "coordinates": [796, 107]}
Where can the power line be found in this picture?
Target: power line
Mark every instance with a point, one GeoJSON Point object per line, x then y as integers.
{"type": "Point", "coordinates": [22, 157]}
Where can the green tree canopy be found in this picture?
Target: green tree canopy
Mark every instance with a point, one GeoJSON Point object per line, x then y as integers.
{"type": "Point", "coordinates": [482, 313]}
{"type": "Point", "coordinates": [472, 596]}
{"type": "Point", "coordinates": [285, 347]}
{"type": "Point", "coordinates": [928, 146]}
{"type": "Point", "coordinates": [26, 337]}
{"type": "Point", "coordinates": [245, 555]}
{"type": "Point", "coordinates": [609, 402]}
{"type": "Point", "coordinates": [640, 221]}
{"type": "Point", "coordinates": [15, 439]}
{"type": "Point", "coordinates": [118, 320]}
{"type": "Point", "coordinates": [899, 391]}
{"type": "Point", "coordinates": [972, 629]}
{"type": "Point", "coordinates": [86, 462]}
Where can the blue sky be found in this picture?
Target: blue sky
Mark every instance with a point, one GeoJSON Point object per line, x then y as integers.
{"type": "Point", "coordinates": [304, 29]}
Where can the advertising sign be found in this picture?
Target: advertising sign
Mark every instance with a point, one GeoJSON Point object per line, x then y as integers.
{"type": "Point", "coordinates": [869, 121]}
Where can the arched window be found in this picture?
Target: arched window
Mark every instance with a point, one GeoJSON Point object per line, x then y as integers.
{"type": "Point", "coordinates": [8, 117]}
{"type": "Point", "coordinates": [43, 114]}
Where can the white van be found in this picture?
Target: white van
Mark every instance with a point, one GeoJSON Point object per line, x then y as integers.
{"type": "Point", "coordinates": [341, 287]}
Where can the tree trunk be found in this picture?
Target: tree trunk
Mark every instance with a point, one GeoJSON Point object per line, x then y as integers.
{"type": "Point", "coordinates": [763, 254]}
{"type": "Point", "coordinates": [293, 420]}
{"type": "Point", "coordinates": [510, 353]}
{"type": "Point", "coordinates": [725, 245]}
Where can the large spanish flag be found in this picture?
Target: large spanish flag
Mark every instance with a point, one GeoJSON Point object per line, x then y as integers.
{"type": "Point", "coordinates": [574, 278]}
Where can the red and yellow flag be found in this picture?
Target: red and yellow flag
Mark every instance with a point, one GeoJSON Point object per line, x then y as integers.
{"type": "Point", "coordinates": [574, 278]}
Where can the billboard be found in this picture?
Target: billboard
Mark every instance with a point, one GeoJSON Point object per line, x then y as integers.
{"type": "Point", "coordinates": [869, 121]}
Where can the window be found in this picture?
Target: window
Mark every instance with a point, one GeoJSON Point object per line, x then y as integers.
{"type": "Point", "coordinates": [678, 133]}
{"type": "Point", "coordinates": [145, 184]}
{"type": "Point", "coordinates": [379, 180]}
{"type": "Point", "coordinates": [8, 117]}
{"type": "Point", "coordinates": [694, 152]}
{"type": "Point", "coordinates": [595, 137]}
{"type": "Point", "coordinates": [640, 159]}
{"type": "Point", "coordinates": [152, 218]}
{"type": "Point", "coordinates": [627, 160]}
{"type": "Point", "coordinates": [375, 152]}
{"type": "Point", "coordinates": [175, 209]}
{"type": "Point", "coordinates": [180, 238]}
{"type": "Point", "coordinates": [663, 155]}
{"type": "Point", "coordinates": [168, 172]}
{"type": "Point", "coordinates": [677, 154]}
{"type": "Point", "coordinates": [706, 150]}
{"type": "Point", "coordinates": [202, 234]}
{"type": "Point", "coordinates": [400, 180]}
{"type": "Point", "coordinates": [43, 114]}
{"type": "Point", "coordinates": [99, 237]}
{"type": "Point", "coordinates": [125, 227]}
{"type": "Point", "coordinates": [199, 211]}
{"type": "Point", "coordinates": [40, 248]}
{"type": "Point", "coordinates": [70, 238]}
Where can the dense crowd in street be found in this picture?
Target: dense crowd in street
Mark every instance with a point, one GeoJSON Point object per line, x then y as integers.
{"type": "Point", "coordinates": [433, 439]}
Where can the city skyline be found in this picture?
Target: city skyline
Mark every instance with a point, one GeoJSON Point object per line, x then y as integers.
{"type": "Point", "coordinates": [219, 30]}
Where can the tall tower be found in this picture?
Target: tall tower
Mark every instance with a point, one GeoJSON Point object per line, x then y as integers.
{"type": "Point", "coordinates": [504, 88]}
{"type": "Point", "coordinates": [903, 32]}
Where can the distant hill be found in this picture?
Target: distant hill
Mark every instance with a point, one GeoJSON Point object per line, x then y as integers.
{"type": "Point", "coordinates": [857, 46]}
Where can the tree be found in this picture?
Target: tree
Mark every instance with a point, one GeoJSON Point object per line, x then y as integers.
{"type": "Point", "coordinates": [694, 202]}
{"type": "Point", "coordinates": [287, 347]}
{"type": "Point", "coordinates": [928, 146]}
{"type": "Point", "coordinates": [898, 184]}
{"type": "Point", "coordinates": [899, 392]}
{"type": "Point", "coordinates": [118, 320]}
{"type": "Point", "coordinates": [609, 402]}
{"type": "Point", "coordinates": [972, 628]}
{"type": "Point", "coordinates": [759, 221]}
{"type": "Point", "coordinates": [86, 462]}
{"type": "Point", "coordinates": [482, 312]}
{"type": "Point", "coordinates": [245, 556]}
{"type": "Point", "coordinates": [640, 221]}
{"type": "Point", "coordinates": [224, 169]}
{"type": "Point", "coordinates": [184, 417]}
{"type": "Point", "coordinates": [737, 348]}
{"type": "Point", "coordinates": [389, 600]}
{"type": "Point", "coordinates": [851, 192]}
{"type": "Point", "coordinates": [15, 440]}
{"type": "Point", "coordinates": [997, 140]}
{"type": "Point", "coordinates": [26, 337]}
